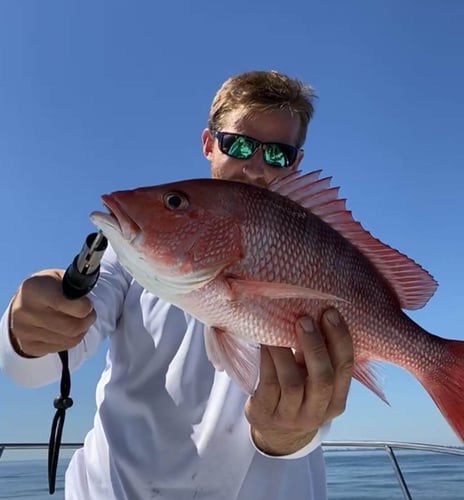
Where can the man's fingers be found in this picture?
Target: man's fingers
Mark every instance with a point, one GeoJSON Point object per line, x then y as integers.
{"type": "Point", "coordinates": [285, 390]}
{"type": "Point", "coordinates": [78, 308]}
{"type": "Point", "coordinates": [55, 344]}
{"type": "Point", "coordinates": [40, 303]}
{"type": "Point", "coordinates": [67, 325]}
{"type": "Point", "coordinates": [268, 390]}
{"type": "Point", "coordinates": [320, 380]}
{"type": "Point", "coordinates": [340, 349]}
{"type": "Point", "coordinates": [280, 391]}
{"type": "Point", "coordinates": [287, 370]}
{"type": "Point", "coordinates": [47, 291]}
{"type": "Point", "coordinates": [40, 315]}
{"type": "Point", "coordinates": [57, 325]}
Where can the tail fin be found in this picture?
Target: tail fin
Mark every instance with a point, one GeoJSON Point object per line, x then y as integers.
{"type": "Point", "coordinates": [445, 383]}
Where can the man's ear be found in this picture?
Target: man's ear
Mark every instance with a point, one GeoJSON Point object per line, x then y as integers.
{"type": "Point", "coordinates": [298, 159]}
{"type": "Point", "coordinates": [208, 143]}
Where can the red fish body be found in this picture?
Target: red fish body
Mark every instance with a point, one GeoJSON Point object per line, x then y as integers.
{"type": "Point", "coordinates": [248, 261]}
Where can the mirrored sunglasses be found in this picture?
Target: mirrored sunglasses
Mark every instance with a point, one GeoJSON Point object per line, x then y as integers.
{"type": "Point", "coordinates": [242, 147]}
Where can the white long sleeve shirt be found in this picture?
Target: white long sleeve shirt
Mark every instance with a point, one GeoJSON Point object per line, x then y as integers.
{"type": "Point", "coordinates": [167, 426]}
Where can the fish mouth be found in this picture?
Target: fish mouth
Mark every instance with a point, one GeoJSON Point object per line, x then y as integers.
{"type": "Point", "coordinates": [117, 219]}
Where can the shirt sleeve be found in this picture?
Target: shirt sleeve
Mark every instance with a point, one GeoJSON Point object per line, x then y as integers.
{"type": "Point", "coordinates": [303, 452]}
{"type": "Point", "coordinates": [107, 298]}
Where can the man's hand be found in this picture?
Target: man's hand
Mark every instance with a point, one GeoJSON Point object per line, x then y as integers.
{"type": "Point", "coordinates": [43, 320]}
{"type": "Point", "coordinates": [298, 393]}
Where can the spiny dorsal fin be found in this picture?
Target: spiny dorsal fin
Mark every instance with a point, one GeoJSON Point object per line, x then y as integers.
{"type": "Point", "coordinates": [413, 285]}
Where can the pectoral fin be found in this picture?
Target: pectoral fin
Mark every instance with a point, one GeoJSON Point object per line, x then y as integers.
{"type": "Point", "coordinates": [240, 359]}
{"type": "Point", "coordinates": [244, 288]}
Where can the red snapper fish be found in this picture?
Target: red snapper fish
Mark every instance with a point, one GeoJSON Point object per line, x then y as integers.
{"type": "Point", "coordinates": [248, 261]}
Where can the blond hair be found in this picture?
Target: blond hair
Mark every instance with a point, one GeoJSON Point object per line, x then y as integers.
{"type": "Point", "coordinates": [263, 91]}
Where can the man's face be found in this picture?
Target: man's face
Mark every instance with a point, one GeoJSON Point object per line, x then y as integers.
{"type": "Point", "coordinates": [273, 126]}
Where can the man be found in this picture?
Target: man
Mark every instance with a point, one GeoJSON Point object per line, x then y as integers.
{"type": "Point", "coordinates": [167, 424]}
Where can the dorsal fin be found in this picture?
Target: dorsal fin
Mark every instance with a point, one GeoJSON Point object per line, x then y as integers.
{"type": "Point", "coordinates": [413, 285]}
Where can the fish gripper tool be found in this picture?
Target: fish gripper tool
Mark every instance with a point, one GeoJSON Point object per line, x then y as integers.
{"type": "Point", "coordinates": [79, 278]}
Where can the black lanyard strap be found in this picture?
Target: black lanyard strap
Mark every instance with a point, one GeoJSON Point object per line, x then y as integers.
{"type": "Point", "coordinates": [61, 403]}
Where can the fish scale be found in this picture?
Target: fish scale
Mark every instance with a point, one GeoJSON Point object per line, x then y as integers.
{"type": "Point", "coordinates": [248, 262]}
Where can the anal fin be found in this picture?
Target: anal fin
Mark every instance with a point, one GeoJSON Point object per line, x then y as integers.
{"type": "Point", "coordinates": [367, 373]}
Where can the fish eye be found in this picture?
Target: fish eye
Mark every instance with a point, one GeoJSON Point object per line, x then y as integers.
{"type": "Point", "coordinates": [176, 200]}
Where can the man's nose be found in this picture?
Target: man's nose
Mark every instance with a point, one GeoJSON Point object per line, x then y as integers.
{"type": "Point", "coordinates": [254, 167]}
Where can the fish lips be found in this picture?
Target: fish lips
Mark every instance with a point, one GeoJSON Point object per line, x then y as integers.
{"type": "Point", "coordinates": [117, 219]}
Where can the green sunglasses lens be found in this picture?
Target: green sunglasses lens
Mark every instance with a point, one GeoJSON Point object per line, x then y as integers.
{"type": "Point", "coordinates": [273, 155]}
{"type": "Point", "coordinates": [239, 147]}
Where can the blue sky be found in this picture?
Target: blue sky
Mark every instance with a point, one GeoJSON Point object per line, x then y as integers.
{"type": "Point", "coordinates": [97, 96]}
